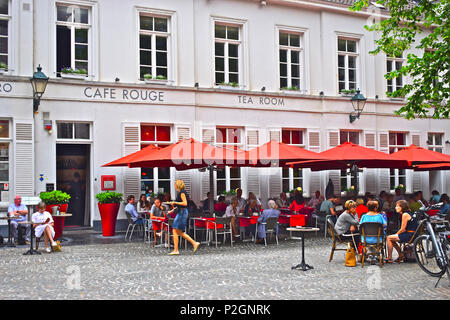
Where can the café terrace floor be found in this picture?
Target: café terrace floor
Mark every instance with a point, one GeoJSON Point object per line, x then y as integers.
{"type": "Point", "coordinates": [91, 266]}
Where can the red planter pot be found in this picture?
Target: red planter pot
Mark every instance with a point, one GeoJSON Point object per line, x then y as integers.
{"type": "Point", "coordinates": [108, 213]}
{"type": "Point", "coordinates": [58, 221]}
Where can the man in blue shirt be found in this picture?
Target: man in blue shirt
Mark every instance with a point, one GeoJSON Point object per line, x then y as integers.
{"type": "Point", "coordinates": [20, 211]}
{"type": "Point", "coordinates": [131, 209]}
{"type": "Point", "coordinates": [272, 212]}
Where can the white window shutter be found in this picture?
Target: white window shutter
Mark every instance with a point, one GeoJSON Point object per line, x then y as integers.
{"type": "Point", "coordinates": [334, 175]}
{"type": "Point", "coordinates": [383, 174]}
{"type": "Point", "coordinates": [314, 145]}
{"type": "Point", "coordinates": [208, 136]}
{"type": "Point", "coordinates": [252, 138]}
{"type": "Point", "coordinates": [314, 140]}
{"type": "Point", "coordinates": [183, 133]}
{"type": "Point", "coordinates": [415, 139]}
{"type": "Point", "coordinates": [253, 181]}
{"type": "Point", "coordinates": [333, 138]}
{"type": "Point", "coordinates": [275, 135]}
{"type": "Point", "coordinates": [275, 184]}
{"type": "Point", "coordinates": [205, 184]}
{"type": "Point", "coordinates": [383, 142]}
{"type": "Point", "coordinates": [23, 159]}
{"type": "Point", "coordinates": [131, 144]}
{"type": "Point", "coordinates": [370, 139]}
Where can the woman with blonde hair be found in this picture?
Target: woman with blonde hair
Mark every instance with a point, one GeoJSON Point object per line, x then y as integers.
{"type": "Point", "coordinates": [180, 222]}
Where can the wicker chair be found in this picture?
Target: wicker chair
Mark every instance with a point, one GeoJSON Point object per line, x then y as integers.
{"type": "Point", "coordinates": [372, 229]}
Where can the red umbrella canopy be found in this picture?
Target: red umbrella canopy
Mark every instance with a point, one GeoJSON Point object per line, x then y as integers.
{"type": "Point", "coordinates": [124, 161]}
{"type": "Point", "coordinates": [185, 154]}
{"type": "Point", "coordinates": [432, 166]}
{"type": "Point", "coordinates": [274, 153]}
{"type": "Point", "coordinates": [418, 155]}
{"type": "Point", "coordinates": [348, 154]}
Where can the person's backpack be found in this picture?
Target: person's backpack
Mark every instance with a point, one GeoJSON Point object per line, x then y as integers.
{"type": "Point", "coordinates": [408, 252]}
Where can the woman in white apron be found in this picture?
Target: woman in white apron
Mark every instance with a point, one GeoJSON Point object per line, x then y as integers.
{"type": "Point", "coordinates": [43, 225]}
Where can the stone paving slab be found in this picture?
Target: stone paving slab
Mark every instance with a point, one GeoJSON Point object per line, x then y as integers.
{"type": "Point", "coordinates": [136, 270]}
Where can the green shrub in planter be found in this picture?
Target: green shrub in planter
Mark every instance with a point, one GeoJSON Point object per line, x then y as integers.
{"type": "Point", "coordinates": [109, 197]}
{"type": "Point", "coordinates": [54, 197]}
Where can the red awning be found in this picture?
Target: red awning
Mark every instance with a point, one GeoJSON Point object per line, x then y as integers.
{"type": "Point", "coordinates": [185, 154]}
{"type": "Point", "coordinates": [124, 161]}
{"type": "Point", "coordinates": [348, 154]}
{"type": "Point", "coordinates": [275, 153]}
{"type": "Point", "coordinates": [418, 155]}
{"type": "Point", "coordinates": [432, 167]}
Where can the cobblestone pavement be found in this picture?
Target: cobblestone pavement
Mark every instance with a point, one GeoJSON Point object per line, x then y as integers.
{"type": "Point", "coordinates": [132, 270]}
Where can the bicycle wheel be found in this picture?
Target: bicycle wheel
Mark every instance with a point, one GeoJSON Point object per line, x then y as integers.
{"type": "Point", "coordinates": [426, 257]}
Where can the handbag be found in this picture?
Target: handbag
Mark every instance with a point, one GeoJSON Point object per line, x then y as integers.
{"type": "Point", "coordinates": [57, 248]}
{"type": "Point", "coordinates": [350, 257]}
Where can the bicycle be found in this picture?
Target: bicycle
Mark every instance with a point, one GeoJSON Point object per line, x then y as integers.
{"type": "Point", "coordinates": [433, 252]}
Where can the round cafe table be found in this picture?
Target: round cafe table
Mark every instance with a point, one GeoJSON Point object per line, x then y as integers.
{"type": "Point", "coordinates": [59, 225]}
{"type": "Point", "coordinates": [303, 266]}
{"type": "Point", "coordinates": [10, 242]}
{"type": "Point", "coordinates": [31, 251]}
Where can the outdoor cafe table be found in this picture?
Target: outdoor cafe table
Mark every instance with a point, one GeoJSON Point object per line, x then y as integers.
{"type": "Point", "coordinates": [10, 242]}
{"type": "Point", "coordinates": [202, 222]}
{"type": "Point", "coordinates": [302, 266]}
{"type": "Point", "coordinates": [59, 224]}
{"type": "Point", "coordinates": [245, 222]}
{"type": "Point", "coordinates": [31, 251]}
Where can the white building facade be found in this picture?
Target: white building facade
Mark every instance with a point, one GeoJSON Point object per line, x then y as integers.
{"type": "Point", "coordinates": [224, 72]}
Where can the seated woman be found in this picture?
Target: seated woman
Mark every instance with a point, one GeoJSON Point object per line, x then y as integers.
{"type": "Point", "coordinates": [43, 225]}
{"type": "Point", "coordinates": [157, 210]}
{"type": "Point", "coordinates": [143, 205]}
{"type": "Point", "coordinates": [347, 223]}
{"type": "Point", "coordinates": [232, 211]}
{"type": "Point", "coordinates": [299, 201]}
{"type": "Point", "coordinates": [407, 229]}
{"type": "Point", "coordinates": [220, 206]}
{"type": "Point", "coordinates": [272, 212]}
{"type": "Point", "coordinates": [251, 209]}
{"type": "Point", "coordinates": [372, 216]}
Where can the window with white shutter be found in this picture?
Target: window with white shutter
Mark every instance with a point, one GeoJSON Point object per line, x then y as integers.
{"type": "Point", "coordinates": [131, 144]}
{"type": "Point", "coordinates": [23, 159]}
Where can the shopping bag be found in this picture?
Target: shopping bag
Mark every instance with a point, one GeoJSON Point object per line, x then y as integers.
{"type": "Point", "coordinates": [57, 248]}
{"type": "Point", "coordinates": [350, 257]}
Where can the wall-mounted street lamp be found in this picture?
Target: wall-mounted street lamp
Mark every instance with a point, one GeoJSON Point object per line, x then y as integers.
{"type": "Point", "coordinates": [358, 102]}
{"type": "Point", "coordinates": [39, 83]}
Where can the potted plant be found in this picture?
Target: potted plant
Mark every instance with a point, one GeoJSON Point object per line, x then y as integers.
{"type": "Point", "coordinates": [148, 78]}
{"type": "Point", "coordinates": [108, 205]}
{"type": "Point", "coordinates": [228, 85]}
{"type": "Point", "coordinates": [3, 68]}
{"type": "Point", "coordinates": [347, 93]}
{"type": "Point", "coordinates": [229, 195]}
{"type": "Point", "coordinates": [401, 187]}
{"type": "Point", "coordinates": [293, 89]}
{"type": "Point", "coordinates": [55, 198]}
{"type": "Point", "coordinates": [70, 73]}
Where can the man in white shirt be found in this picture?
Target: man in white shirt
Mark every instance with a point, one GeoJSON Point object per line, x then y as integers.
{"type": "Point", "coordinates": [43, 225]}
{"type": "Point", "coordinates": [19, 211]}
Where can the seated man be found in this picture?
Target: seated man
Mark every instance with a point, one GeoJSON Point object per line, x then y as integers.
{"type": "Point", "coordinates": [43, 225]}
{"type": "Point", "coordinates": [19, 210]}
{"type": "Point", "coordinates": [131, 209]}
{"type": "Point", "coordinates": [272, 212]}
{"type": "Point", "coordinates": [328, 208]}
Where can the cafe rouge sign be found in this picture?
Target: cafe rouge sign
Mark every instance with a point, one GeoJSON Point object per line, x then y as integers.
{"type": "Point", "coordinates": [124, 94]}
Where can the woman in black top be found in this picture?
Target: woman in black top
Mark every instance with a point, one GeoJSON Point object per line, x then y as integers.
{"type": "Point", "coordinates": [180, 222]}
